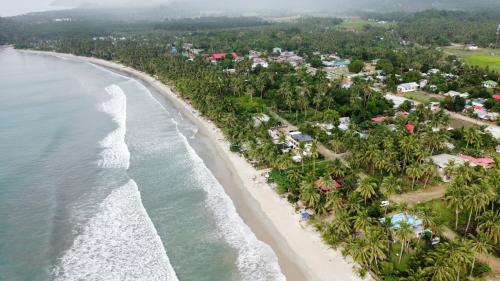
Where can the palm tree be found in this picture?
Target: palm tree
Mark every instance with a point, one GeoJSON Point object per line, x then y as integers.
{"type": "Point", "coordinates": [362, 221]}
{"type": "Point", "coordinates": [314, 155]}
{"type": "Point", "coordinates": [490, 226]}
{"type": "Point", "coordinates": [454, 199]}
{"type": "Point", "coordinates": [390, 185]}
{"type": "Point", "coordinates": [342, 223]}
{"type": "Point", "coordinates": [309, 195]}
{"type": "Point", "coordinates": [439, 268]}
{"type": "Point", "coordinates": [334, 200]}
{"type": "Point", "coordinates": [376, 248]}
{"type": "Point", "coordinates": [472, 136]}
{"type": "Point", "coordinates": [414, 171]}
{"type": "Point", "coordinates": [366, 189]}
{"type": "Point", "coordinates": [479, 246]}
{"type": "Point", "coordinates": [404, 232]}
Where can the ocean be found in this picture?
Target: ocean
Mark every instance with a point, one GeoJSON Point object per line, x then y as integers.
{"type": "Point", "coordinates": [102, 179]}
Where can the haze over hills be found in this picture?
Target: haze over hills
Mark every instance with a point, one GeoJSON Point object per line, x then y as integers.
{"type": "Point", "coordinates": [155, 10]}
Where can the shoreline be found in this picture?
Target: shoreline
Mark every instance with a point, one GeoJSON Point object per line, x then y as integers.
{"type": "Point", "coordinates": [302, 254]}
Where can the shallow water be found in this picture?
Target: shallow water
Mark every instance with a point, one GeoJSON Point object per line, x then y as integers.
{"type": "Point", "coordinates": [98, 181]}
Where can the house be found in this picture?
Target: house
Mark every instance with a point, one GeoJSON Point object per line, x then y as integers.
{"type": "Point", "coordinates": [260, 119]}
{"type": "Point", "coordinates": [341, 63]}
{"type": "Point", "coordinates": [490, 84]}
{"type": "Point", "coordinates": [344, 123]}
{"type": "Point", "coordinates": [327, 184]}
{"type": "Point", "coordinates": [220, 56]}
{"type": "Point", "coordinates": [410, 128]}
{"type": "Point", "coordinates": [258, 61]}
{"type": "Point", "coordinates": [275, 135]}
{"type": "Point", "coordinates": [485, 162]}
{"type": "Point", "coordinates": [276, 50]}
{"type": "Point", "coordinates": [407, 87]}
{"type": "Point", "coordinates": [416, 224]}
{"type": "Point", "coordinates": [435, 106]}
{"type": "Point", "coordinates": [457, 94]}
{"type": "Point", "coordinates": [295, 138]}
{"type": "Point", "coordinates": [423, 83]}
{"type": "Point", "coordinates": [253, 54]}
{"type": "Point", "coordinates": [433, 71]}
{"type": "Point", "coordinates": [378, 119]}
{"type": "Point", "coordinates": [494, 131]}
{"type": "Point", "coordinates": [402, 114]}
{"type": "Point", "coordinates": [471, 47]}
{"type": "Point", "coordinates": [498, 148]}
{"type": "Point", "coordinates": [433, 88]}
{"type": "Point", "coordinates": [442, 161]}
{"type": "Point", "coordinates": [346, 84]}
{"type": "Point", "coordinates": [496, 97]}
{"type": "Point", "coordinates": [397, 100]}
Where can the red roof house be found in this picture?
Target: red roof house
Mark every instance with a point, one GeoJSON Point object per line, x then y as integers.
{"type": "Point", "coordinates": [378, 119]}
{"type": "Point", "coordinates": [410, 127]}
{"type": "Point", "coordinates": [218, 56]}
{"type": "Point", "coordinates": [478, 107]}
{"type": "Point", "coordinates": [496, 97]}
{"type": "Point", "coordinates": [486, 162]}
{"type": "Point", "coordinates": [326, 185]}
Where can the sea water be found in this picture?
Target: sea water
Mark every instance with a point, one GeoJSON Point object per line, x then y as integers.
{"type": "Point", "coordinates": [99, 181]}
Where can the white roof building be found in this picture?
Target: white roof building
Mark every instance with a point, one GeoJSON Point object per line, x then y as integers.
{"type": "Point", "coordinates": [407, 87]}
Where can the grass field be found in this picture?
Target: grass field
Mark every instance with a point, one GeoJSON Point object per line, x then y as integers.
{"type": "Point", "coordinates": [422, 97]}
{"type": "Point", "coordinates": [482, 57]}
{"type": "Point", "coordinates": [358, 24]}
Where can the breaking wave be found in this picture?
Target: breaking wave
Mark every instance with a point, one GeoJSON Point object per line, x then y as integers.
{"type": "Point", "coordinates": [119, 243]}
{"type": "Point", "coordinates": [115, 152]}
{"type": "Point", "coordinates": [256, 260]}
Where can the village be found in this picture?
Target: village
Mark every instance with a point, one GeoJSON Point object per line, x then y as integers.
{"type": "Point", "coordinates": [328, 154]}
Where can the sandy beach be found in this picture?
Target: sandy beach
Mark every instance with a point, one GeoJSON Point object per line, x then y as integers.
{"type": "Point", "coordinates": [301, 252]}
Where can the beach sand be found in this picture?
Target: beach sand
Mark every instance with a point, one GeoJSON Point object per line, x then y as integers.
{"type": "Point", "coordinates": [301, 252]}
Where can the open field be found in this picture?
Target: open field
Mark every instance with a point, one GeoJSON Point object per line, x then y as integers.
{"type": "Point", "coordinates": [358, 24]}
{"type": "Point", "coordinates": [483, 57]}
{"type": "Point", "coordinates": [423, 97]}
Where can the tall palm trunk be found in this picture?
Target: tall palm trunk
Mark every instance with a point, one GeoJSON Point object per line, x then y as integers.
{"type": "Point", "coordinates": [401, 252]}
{"type": "Point", "coordinates": [456, 218]}
{"type": "Point", "coordinates": [473, 263]}
{"type": "Point", "coordinates": [468, 221]}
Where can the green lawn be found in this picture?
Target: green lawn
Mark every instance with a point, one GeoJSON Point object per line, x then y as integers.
{"type": "Point", "coordinates": [358, 24]}
{"type": "Point", "coordinates": [422, 97]}
{"type": "Point", "coordinates": [481, 57]}
{"type": "Point", "coordinates": [493, 62]}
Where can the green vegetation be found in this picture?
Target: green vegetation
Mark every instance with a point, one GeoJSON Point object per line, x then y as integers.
{"type": "Point", "coordinates": [344, 192]}
{"type": "Point", "coordinates": [484, 57]}
{"type": "Point", "coordinates": [423, 97]}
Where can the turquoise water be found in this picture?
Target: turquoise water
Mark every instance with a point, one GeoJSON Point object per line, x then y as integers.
{"type": "Point", "coordinates": [99, 181]}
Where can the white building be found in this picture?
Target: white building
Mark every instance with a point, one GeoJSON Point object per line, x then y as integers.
{"type": "Point", "coordinates": [443, 160]}
{"type": "Point", "coordinates": [407, 87]}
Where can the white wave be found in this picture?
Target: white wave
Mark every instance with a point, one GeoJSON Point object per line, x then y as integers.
{"type": "Point", "coordinates": [256, 260]}
{"type": "Point", "coordinates": [115, 152]}
{"type": "Point", "coordinates": [119, 243]}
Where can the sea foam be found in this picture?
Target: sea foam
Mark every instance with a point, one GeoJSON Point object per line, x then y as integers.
{"type": "Point", "coordinates": [119, 243]}
{"type": "Point", "coordinates": [115, 152]}
{"type": "Point", "coordinates": [256, 260]}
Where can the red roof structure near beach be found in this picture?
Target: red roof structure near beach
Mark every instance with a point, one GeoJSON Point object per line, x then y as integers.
{"type": "Point", "coordinates": [322, 185]}
{"type": "Point", "coordinates": [496, 96]}
{"type": "Point", "coordinates": [410, 127]}
{"type": "Point", "coordinates": [378, 119]}
{"type": "Point", "coordinates": [219, 56]}
{"type": "Point", "coordinates": [478, 107]}
{"type": "Point", "coordinates": [486, 162]}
